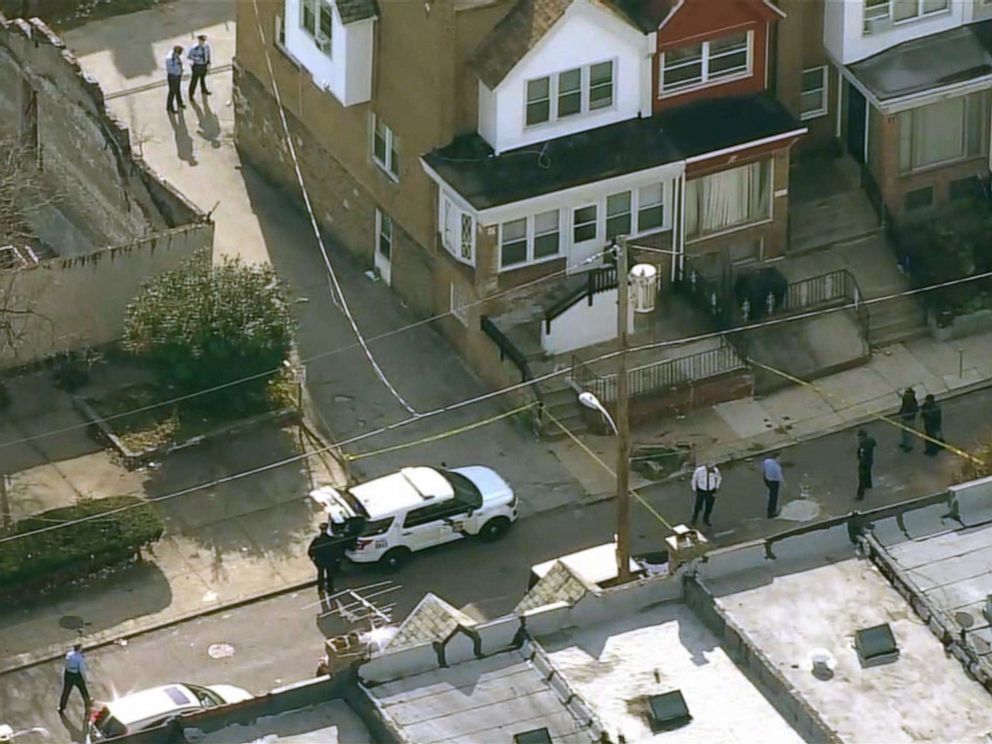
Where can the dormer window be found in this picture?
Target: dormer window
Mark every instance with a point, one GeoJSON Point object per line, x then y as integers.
{"type": "Point", "coordinates": [317, 19]}
{"type": "Point", "coordinates": [705, 63]}
{"type": "Point", "coordinates": [564, 94]}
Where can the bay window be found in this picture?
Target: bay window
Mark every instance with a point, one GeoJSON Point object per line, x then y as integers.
{"type": "Point", "coordinates": [317, 19]}
{"type": "Point", "coordinates": [576, 91]}
{"type": "Point", "coordinates": [727, 200]}
{"type": "Point", "coordinates": [705, 63]}
{"type": "Point", "coordinates": [457, 230]}
{"type": "Point", "coordinates": [943, 132]}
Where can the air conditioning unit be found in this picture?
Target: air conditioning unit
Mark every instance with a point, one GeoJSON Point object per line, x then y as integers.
{"type": "Point", "coordinates": [644, 287]}
{"type": "Point", "coordinates": [875, 26]}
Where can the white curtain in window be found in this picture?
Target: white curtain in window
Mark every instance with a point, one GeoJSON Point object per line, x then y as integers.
{"type": "Point", "coordinates": [727, 199]}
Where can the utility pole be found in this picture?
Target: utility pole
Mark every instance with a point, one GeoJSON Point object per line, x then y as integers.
{"type": "Point", "coordinates": [623, 415]}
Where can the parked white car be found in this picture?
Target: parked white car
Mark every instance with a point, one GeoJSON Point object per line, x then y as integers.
{"type": "Point", "coordinates": [419, 507]}
{"type": "Point", "coordinates": [153, 707]}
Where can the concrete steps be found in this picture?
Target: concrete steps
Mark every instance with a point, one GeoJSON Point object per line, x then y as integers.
{"type": "Point", "coordinates": [563, 404]}
{"type": "Point", "coordinates": [896, 320]}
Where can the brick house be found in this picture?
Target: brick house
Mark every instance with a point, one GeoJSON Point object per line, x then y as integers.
{"type": "Point", "coordinates": [902, 86]}
{"type": "Point", "coordinates": [468, 148]}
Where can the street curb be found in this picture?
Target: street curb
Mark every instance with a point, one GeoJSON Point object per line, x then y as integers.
{"type": "Point", "coordinates": [108, 638]}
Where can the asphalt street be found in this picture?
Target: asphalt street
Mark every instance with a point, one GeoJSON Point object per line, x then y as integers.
{"type": "Point", "coordinates": [276, 641]}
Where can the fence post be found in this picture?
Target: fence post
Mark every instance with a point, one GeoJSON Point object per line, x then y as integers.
{"type": "Point", "coordinates": [5, 503]}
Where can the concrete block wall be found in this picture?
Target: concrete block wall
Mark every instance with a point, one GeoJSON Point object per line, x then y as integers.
{"type": "Point", "coordinates": [972, 501]}
{"type": "Point", "coordinates": [405, 662]}
{"type": "Point", "coordinates": [80, 301]}
{"type": "Point", "coordinates": [84, 152]}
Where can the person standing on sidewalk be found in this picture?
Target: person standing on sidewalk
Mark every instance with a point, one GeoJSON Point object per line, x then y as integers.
{"type": "Point", "coordinates": [322, 554]}
{"type": "Point", "coordinates": [174, 75]}
{"type": "Point", "coordinates": [199, 57]}
{"type": "Point", "coordinates": [932, 418]}
{"type": "Point", "coordinates": [771, 471]}
{"type": "Point", "coordinates": [705, 482]}
{"type": "Point", "coordinates": [866, 459]}
{"type": "Point", "coordinates": [74, 675]}
{"type": "Point", "coordinates": [908, 409]}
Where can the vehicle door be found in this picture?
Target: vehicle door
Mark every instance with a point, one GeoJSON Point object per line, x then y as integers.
{"type": "Point", "coordinates": [422, 527]}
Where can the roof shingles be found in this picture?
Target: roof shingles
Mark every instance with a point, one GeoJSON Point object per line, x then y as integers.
{"type": "Point", "coordinates": [356, 10]}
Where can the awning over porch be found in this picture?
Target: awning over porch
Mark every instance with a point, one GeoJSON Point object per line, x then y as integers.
{"type": "Point", "coordinates": [470, 167]}
{"type": "Point", "coordinates": [952, 58]}
{"type": "Point", "coordinates": [715, 125]}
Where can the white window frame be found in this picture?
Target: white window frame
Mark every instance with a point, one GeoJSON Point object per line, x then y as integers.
{"type": "Point", "coordinates": [980, 100]}
{"type": "Point", "coordinates": [566, 223]}
{"type": "Point", "coordinates": [381, 220]}
{"type": "Point", "coordinates": [705, 81]}
{"type": "Point", "coordinates": [458, 311]}
{"type": "Point", "coordinates": [886, 10]}
{"type": "Point", "coordinates": [318, 8]}
{"type": "Point", "coordinates": [452, 240]}
{"type": "Point", "coordinates": [389, 165]}
{"type": "Point", "coordinates": [821, 110]}
{"type": "Point", "coordinates": [770, 217]}
{"type": "Point", "coordinates": [530, 236]}
{"type": "Point", "coordinates": [585, 90]}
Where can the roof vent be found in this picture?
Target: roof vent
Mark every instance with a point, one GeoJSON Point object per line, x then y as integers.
{"type": "Point", "coordinates": [668, 711]}
{"type": "Point", "coordinates": [535, 736]}
{"type": "Point", "coordinates": [876, 645]}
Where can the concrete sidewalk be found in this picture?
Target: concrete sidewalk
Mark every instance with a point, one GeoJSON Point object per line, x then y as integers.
{"type": "Point", "coordinates": [743, 428]}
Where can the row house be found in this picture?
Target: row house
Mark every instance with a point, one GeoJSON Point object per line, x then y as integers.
{"type": "Point", "coordinates": [473, 151]}
{"type": "Point", "coordinates": [902, 86]}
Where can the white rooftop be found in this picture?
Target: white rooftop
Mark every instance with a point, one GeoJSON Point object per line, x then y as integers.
{"type": "Point", "coordinates": [484, 700]}
{"type": "Point", "coordinates": [615, 666]}
{"type": "Point", "coordinates": [325, 723]}
{"type": "Point", "coordinates": [923, 696]}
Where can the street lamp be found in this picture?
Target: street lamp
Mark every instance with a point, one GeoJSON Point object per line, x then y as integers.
{"type": "Point", "coordinates": [590, 401]}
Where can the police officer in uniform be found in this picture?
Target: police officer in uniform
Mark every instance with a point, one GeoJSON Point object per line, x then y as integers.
{"type": "Point", "coordinates": [199, 57]}
{"type": "Point", "coordinates": [74, 675]}
{"type": "Point", "coordinates": [174, 74]}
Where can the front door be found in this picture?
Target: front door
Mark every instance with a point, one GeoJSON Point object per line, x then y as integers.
{"type": "Point", "coordinates": [383, 245]}
{"type": "Point", "coordinates": [587, 241]}
{"type": "Point", "coordinates": [857, 123]}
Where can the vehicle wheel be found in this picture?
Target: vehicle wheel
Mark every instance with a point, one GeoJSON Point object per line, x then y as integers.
{"type": "Point", "coordinates": [494, 529]}
{"type": "Point", "coordinates": [394, 559]}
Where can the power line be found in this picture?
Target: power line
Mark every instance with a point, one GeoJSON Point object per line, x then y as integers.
{"type": "Point", "coordinates": [482, 398]}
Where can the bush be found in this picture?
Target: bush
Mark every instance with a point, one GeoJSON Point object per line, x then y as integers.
{"type": "Point", "coordinates": [202, 326]}
{"type": "Point", "coordinates": [57, 555]}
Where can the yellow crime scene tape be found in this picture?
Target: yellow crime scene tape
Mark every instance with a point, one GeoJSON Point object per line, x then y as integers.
{"type": "Point", "coordinates": [608, 469]}
{"type": "Point", "coordinates": [887, 419]}
{"type": "Point", "coordinates": [441, 435]}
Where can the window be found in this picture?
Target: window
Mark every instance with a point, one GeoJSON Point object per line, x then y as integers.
{"type": "Point", "coordinates": [280, 33]}
{"type": "Point", "coordinates": [708, 62]}
{"type": "Point", "coordinates": [584, 224]}
{"type": "Point", "coordinates": [317, 19]}
{"type": "Point", "coordinates": [546, 234]}
{"type": "Point", "coordinates": [601, 85]}
{"type": "Point", "coordinates": [618, 214]}
{"type": "Point", "coordinates": [513, 242]}
{"type": "Point", "coordinates": [530, 239]}
{"type": "Point", "coordinates": [385, 242]}
{"type": "Point", "coordinates": [434, 513]}
{"type": "Point", "coordinates": [943, 132]}
{"type": "Point", "coordinates": [385, 147]}
{"type": "Point", "coordinates": [919, 199]}
{"type": "Point", "coordinates": [650, 207]}
{"type": "Point", "coordinates": [903, 10]}
{"type": "Point", "coordinates": [457, 304]}
{"type": "Point", "coordinates": [457, 230]}
{"type": "Point", "coordinates": [568, 93]}
{"type": "Point", "coordinates": [729, 199]}
{"type": "Point", "coordinates": [538, 100]}
{"type": "Point", "coordinates": [813, 101]}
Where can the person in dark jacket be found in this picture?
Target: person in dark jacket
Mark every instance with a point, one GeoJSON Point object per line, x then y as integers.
{"type": "Point", "coordinates": [908, 409]}
{"type": "Point", "coordinates": [866, 459]}
{"type": "Point", "coordinates": [931, 415]}
{"type": "Point", "coordinates": [322, 553]}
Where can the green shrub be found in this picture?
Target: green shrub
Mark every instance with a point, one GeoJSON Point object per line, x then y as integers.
{"type": "Point", "coordinates": [83, 548]}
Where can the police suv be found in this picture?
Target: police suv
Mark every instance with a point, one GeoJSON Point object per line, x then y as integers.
{"type": "Point", "coordinates": [392, 517]}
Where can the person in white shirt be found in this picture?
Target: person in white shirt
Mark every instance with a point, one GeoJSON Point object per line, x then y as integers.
{"type": "Point", "coordinates": [705, 483]}
{"type": "Point", "coordinates": [199, 57]}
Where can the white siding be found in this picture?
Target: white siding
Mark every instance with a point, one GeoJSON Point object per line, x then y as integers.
{"type": "Point", "coordinates": [584, 324]}
{"type": "Point", "coordinates": [844, 24]}
{"type": "Point", "coordinates": [584, 36]}
{"type": "Point", "coordinates": [487, 115]}
{"type": "Point", "coordinates": [347, 72]}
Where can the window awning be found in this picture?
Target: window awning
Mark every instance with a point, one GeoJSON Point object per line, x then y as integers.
{"type": "Point", "coordinates": [908, 75]}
